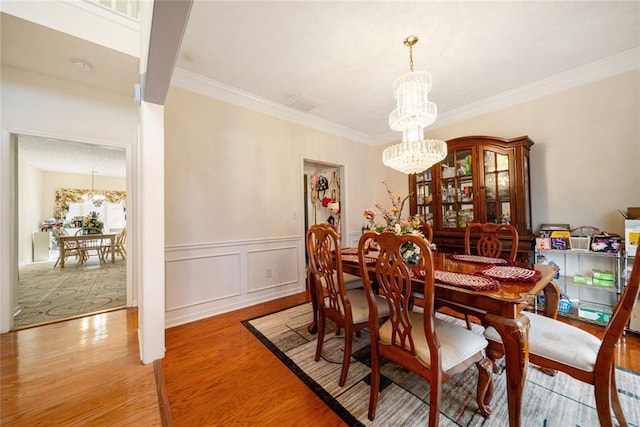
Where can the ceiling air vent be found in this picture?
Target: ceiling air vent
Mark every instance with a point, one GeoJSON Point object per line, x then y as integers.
{"type": "Point", "coordinates": [302, 103]}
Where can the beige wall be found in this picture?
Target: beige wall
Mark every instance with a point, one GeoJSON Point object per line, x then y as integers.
{"type": "Point", "coordinates": [29, 209]}
{"type": "Point", "coordinates": [234, 174]}
{"type": "Point", "coordinates": [37, 104]}
{"type": "Point", "coordinates": [585, 161]}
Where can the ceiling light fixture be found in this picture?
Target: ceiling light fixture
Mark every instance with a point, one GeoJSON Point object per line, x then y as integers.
{"type": "Point", "coordinates": [413, 113]}
{"type": "Point", "coordinates": [96, 197]}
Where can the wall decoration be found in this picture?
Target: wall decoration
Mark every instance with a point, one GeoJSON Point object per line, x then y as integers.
{"type": "Point", "coordinates": [64, 196]}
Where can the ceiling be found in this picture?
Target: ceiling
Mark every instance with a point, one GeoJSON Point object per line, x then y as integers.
{"type": "Point", "coordinates": [339, 59]}
{"type": "Point", "coordinates": [345, 56]}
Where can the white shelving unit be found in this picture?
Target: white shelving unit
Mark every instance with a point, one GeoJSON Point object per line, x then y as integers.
{"type": "Point", "coordinates": [590, 302]}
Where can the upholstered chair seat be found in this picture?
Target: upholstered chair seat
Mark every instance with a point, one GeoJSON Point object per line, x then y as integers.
{"type": "Point", "coordinates": [456, 344]}
{"type": "Point", "coordinates": [558, 341]}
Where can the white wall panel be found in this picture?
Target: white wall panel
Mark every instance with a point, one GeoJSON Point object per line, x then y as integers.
{"type": "Point", "coordinates": [206, 279]}
{"type": "Point", "coordinates": [203, 279]}
{"type": "Point", "coordinates": [271, 267]}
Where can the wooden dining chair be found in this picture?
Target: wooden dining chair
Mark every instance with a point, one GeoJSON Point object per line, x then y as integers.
{"type": "Point", "coordinates": [426, 230]}
{"type": "Point", "coordinates": [558, 346]}
{"type": "Point", "coordinates": [420, 342]}
{"type": "Point", "coordinates": [347, 308]}
{"type": "Point", "coordinates": [486, 240]}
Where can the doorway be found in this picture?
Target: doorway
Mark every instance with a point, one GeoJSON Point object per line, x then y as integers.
{"type": "Point", "coordinates": [324, 196]}
{"type": "Point", "coordinates": [60, 183]}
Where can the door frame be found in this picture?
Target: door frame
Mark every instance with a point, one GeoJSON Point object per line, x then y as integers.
{"type": "Point", "coordinates": [9, 197]}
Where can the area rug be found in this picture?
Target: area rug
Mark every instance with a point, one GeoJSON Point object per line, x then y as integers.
{"type": "Point", "coordinates": [548, 401]}
{"type": "Point", "coordinates": [48, 294]}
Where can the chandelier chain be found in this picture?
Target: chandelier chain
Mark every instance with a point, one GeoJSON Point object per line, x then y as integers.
{"type": "Point", "coordinates": [411, 58]}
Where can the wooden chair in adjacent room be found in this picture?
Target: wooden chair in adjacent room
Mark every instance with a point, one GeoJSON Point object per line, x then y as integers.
{"type": "Point", "coordinates": [347, 308]}
{"type": "Point", "coordinates": [420, 342]}
{"type": "Point", "coordinates": [95, 244]}
{"type": "Point", "coordinates": [70, 247]}
{"type": "Point", "coordinates": [121, 244]}
{"type": "Point", "coordinates": [556, 345]}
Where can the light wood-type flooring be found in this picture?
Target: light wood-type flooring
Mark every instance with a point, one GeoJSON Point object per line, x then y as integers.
{"type": "Point", "coordinates": [87, 372]}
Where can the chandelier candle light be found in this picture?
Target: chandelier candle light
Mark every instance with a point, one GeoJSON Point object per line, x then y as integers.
{"type": "Point", "coordinates": [96, 197]}
{"type": "Point", "coordinates": [413, 113]}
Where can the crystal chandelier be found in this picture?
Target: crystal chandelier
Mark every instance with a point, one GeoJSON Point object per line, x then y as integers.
{"type": "Point", "coordinates": [413, 113]}
{"type": "Point", "coordinates": [96, 198]}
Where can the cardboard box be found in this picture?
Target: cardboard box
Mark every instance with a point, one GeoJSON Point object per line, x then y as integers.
{"type": "Point", "coordinates": [633, 213]}
{"type": "Point", "coordinates": [631, 236]}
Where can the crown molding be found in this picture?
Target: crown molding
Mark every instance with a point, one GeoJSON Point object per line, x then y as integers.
{"type": "Point", "coordinates": [623, 62]}
{"type": "Point", "coordinates": [194, 82]}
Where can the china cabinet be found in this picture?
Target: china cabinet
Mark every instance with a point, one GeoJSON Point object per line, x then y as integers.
{"type": "Point", "coordinates": [482, 179]}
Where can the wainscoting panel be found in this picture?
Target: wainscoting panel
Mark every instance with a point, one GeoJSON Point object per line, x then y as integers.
{"type": "Point", "coordinates": [206, 279]}
{"type": "Point", "coordinates": [193, 278]}
{"type": "Point", "coordinates": [271, 267]}
{"type": "Point", "coordinates": [353, 239]}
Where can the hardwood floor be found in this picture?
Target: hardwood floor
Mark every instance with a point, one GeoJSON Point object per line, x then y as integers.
{"type": "Point", "coordinates": [87, 372]}
{"type": "Point", "coordinates": [84, 371]}
{"type": "Point", "coordinates": [218, 373]}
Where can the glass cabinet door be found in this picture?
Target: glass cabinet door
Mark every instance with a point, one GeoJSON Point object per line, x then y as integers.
{"type": "Point", "coordinates": [424, 196]}
{"type": "Point", "coordinates": [497, 187]}
{"type": "Point", "coordinates": [457, 189]}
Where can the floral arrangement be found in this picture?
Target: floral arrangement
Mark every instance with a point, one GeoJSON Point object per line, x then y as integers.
{"type": "Point", "coordinates": [392, 217]}
{"type": "Point", "coordinates": [92, 221]}
{"type": "Point", "coordinates": [394, 223]}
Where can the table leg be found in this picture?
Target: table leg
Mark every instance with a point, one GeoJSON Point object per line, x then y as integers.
{"type": "Point", "coordinates": [113, 250]}
{"type": "Point", "coordinates": [551, 300]}
{"type": "Point", "coordinates": [514, 334]}
{"type": "Point", "coordinates": [62, 256]}
{"type": "Point", "coordinates": [311, 287]}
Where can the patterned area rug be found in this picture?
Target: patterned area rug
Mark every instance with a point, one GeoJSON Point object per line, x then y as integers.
{"type": "Point", "coordinates": [47, 294]}
{"type": "Point", "coordinates": [549, 401]}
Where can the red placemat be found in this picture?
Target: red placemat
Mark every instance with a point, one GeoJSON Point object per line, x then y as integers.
{"type": "Point", "coordinates": [511, 273]}
{"type": "Point", "coordinates": [354, 258]}
{"type": "Point", "coordinates": [466, 281]}
{"type": "Point", "coordinates": [479, 259]}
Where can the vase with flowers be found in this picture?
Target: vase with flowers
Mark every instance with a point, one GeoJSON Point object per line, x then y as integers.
{"type": "Point", "coordinates": [92, 224]}
{"type": "Point", "coordinates": [393, 222]}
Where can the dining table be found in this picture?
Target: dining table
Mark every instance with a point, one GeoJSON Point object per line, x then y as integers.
{"type": "Point", "coordinates": [501, 308]}
{"type": "Point", "coordinates": [75, 241]}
